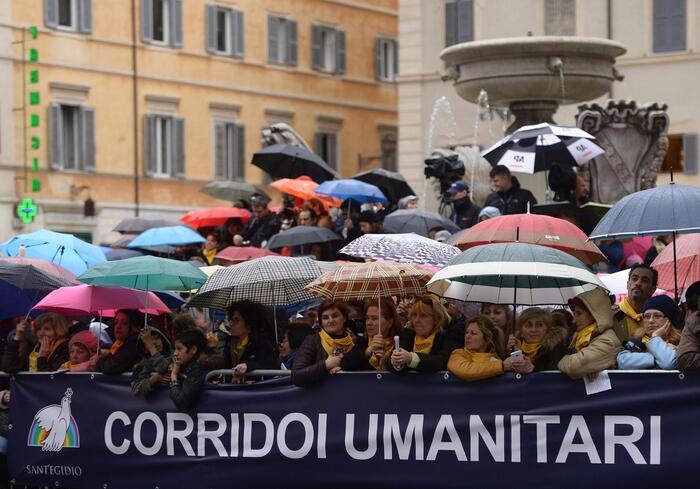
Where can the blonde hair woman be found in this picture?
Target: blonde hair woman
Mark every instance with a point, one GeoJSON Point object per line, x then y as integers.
{"type": "Point", "coordinates": [50, 352]}
{"type": "Point", "coordinates": [373, 350]}
{"type": "Point", "coordinates": [542, 343]}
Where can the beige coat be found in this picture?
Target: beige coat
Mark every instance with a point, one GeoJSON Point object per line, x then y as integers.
{"type": "Point", "coordinates": [602, 351]}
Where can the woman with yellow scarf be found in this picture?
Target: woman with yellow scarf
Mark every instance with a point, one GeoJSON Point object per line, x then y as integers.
{"type": "Point", "coordinates": [372, 351]}
{"type": "Point", "coordinates": [595, 345]}
{"type": "Point", "coordinates": [49, 353]}
{"type": "Point", "coordinates": [427, 345]}
{"type": "Point", "coordinates": [321, 355]}
{"type": "Point", "coordinates": [542, 343]}
{"type": "Point", "coordinates": [124, 353]}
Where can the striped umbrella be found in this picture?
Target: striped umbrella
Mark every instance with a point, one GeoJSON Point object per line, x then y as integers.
{"type": "Point", "coordinates": [402, 248]}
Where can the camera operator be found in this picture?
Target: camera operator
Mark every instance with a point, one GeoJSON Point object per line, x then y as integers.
{"type": "Point", "coordinates": [465, 213]}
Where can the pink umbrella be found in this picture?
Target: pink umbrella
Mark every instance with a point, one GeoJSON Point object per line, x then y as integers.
{"type": "Point", "coordinates": [686, 261]}
{"type": "Point", "coordinates": [96, 299]}
{"type": "Point", "coordinates": [46, 266]}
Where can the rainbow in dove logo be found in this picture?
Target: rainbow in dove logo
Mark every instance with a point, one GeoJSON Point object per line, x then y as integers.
{"type": "Point", "coordinates": [54, 427]}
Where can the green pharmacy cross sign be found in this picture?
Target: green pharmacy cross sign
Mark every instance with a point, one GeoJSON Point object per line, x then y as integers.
{"type": "Point", "coordinates": [27, 210]}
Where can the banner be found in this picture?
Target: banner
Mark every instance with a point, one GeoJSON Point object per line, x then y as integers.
{"type": "Point", "coordinates": [355, 430]}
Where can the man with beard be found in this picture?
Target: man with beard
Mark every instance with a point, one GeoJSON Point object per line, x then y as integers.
{"type": "Point", "coordinates": [641, 284]}
{"type": "Point", "coordinates": [466, 212]}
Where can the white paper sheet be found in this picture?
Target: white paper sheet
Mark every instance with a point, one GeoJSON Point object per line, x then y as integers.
{"type": "Point", "coordinates": [600, 384]}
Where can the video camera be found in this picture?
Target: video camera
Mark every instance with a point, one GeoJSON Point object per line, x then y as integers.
{"type": "Point", "coordinates": [446, 169]}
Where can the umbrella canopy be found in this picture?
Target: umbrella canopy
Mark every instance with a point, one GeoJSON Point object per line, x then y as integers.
{"type": "Point", "coordinates": [513, 273]}
{"type": "Point", "coordinates": [288, 161]}
{"type": "Point", "coordinates": [146, 273]}
{"type": "Point", "coordinates": [538, 147]}
{"type": "Point", "coordinates": [171, 299]}
{"type": "Point", "coordinates": [301, 235]}
{"type": "Point", "coordinates": [232, 191]}
{"type": "Point", "coordinates": [94, 299]}
{"type": "Point", "coordinates": [271, 281]}
{"type": "Point", "coordinates": [535, 229]}
{"type": "Point", "coordinates": [63, 249]}
{"type": "Point", "coordinates": [352, 189]}
{"type": "Point", "coordinates": [417, 221]}
{"type": "Point", "coordinates": [122, 254]}
{"type": "Point", "coordinates": [371, 281]}
{"type": "Point", "coordinates": [392, 184]}
{"type": "Point", "coordinates": [137, 225]}
{"type": "Point", "coordinates": [402, 248]}
{"type": "Point", "coordinates": [171, 235]}
{"type": "Point", "coordinates": [44, 265]}
{"type": "Point", "coordinates": [22, 285]}
{"type": "Point", "coordinates": [304, 188]}
{"type": "Point", "coordinates": [215, 216]}
{"type": "Point", "coordinates": [238, 254]}
{"type": "Point", "coordinates": [687, 262]}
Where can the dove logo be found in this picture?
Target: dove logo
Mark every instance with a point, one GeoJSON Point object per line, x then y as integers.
{"type": "Point", "coordinates": [54, 428]}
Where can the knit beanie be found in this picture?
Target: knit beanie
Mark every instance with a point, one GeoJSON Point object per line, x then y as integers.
{"type": "Point", "coordinates": [87, 339]}
{"type": "Point", "coordinates": [666, 305]}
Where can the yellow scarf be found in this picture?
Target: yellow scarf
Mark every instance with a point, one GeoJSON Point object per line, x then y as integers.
{"type": "Point", "coordinates": [531, 349]}
{"type": "Point", "coordinates": [209, 255]}
{"type": "Point", "coordinates": [388, 348]}
{"type": "Point", "coordinates": [634, 319]}
{"type": "Point", "coordinates": [582, 337]}
{"type": "Point", "coordinates": [116, 347]}
{"type": "Point", "coordinates": [67, 365]}
{"type": "Point", "coordinates": [484, 357]}
{"type": "Point", "coordinates": [334, 346]}
{"type": "Point", "coordinates": [240, 347]}
{"type": "Point", "coordinates": [422, 344]}
{"type": "Point", "coordinates": [645, 339]}
{"type": "Point", "coordinates": [34, 355]}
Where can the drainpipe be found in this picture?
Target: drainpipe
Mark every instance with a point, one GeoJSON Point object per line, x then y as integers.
{"type": "Point", "coordinates": [608, 5]}
{"type": "Point", "coordinates": [135, 101]}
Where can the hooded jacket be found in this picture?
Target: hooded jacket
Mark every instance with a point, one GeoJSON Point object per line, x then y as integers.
{"type": "Point", "coordinates": [512, 202]}
{"type": "Point", "coordinates": [553, 349]}
{"type": "Point", "coordinates": [150, 365]}
{"type": "Point", "coordinates": [688, 351]}
{"type": "Point", "coordinates": [601, 352]}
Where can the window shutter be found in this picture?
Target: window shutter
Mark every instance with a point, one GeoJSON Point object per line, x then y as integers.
{"type": "Point", "coordinates": [237, 33]}
{"type": "Point", "coordinates": [210, 21]}
{"type": "Point", "coordinates": [378, 59]}
{"type": "Point", "coordinates": [450, 23]}
{"type": "Point", "coordinates": [147, 20]}
{"type": "Point", "coordinates": [85, 16]}
{"type": "Point", "coordinates": [318, 145]}
{"type": "Point", "coordinates": [272, 38]}
{"type": "Point", "coordinates": [178, 148]}
{"type": "Point", "coordinates": [238, 172]}
{"type": "Point", "coordinates": [339, 52]}
{"type": "Point", "coordinates": [291, 43]}
{"type": "Point", "coordinates": [51, 13]}
{"type": "Point", "coordinates": [465, 21]}
{"type": "Point", "coordinates": [176, 23]}
{"type": "Point", "coordinates": [149, 144]}
{"type": "Point", "coordinates": [395, 47]}
{"type": "Point", "coordinates": [315, 47]}
{"type": "Point", "coordinates": [55, 136]}
{"type": "Point", "coordinates": [676, 26]}
{"type": "Point", "coordinates": [87, 138]}
{"type": "Point", "coordinates": [690, 154]}
{"type": "Point", "coordinates": [332, 150]}
{"type": "Point", "coordinates": [661, 34]}
{"type": "Point", "coordinates": [219, 150]}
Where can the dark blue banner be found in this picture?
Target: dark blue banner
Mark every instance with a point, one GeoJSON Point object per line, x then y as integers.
{"type": "Point", "coordinates": [358, 430]}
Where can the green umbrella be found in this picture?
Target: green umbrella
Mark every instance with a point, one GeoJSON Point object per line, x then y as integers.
{"type": "Point", "coordinates": [146, 273]}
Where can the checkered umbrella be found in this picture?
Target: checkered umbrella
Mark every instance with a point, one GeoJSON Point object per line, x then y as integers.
{"type": "Point", "coordinates": [271, 281]}
{"type": "Point", "coordinates": [403, 248]}
{"type": "Point", "coordinates": [371, 281]}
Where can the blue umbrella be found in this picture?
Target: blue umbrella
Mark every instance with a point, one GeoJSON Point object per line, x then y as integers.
{"type": "Point", "coordinates": [171, 299]}
{"type": "Point", "coordinates": [21, 287]}
{"type": "Point", "coordinates": [171, 235]}
{"type": "Point", "coordinates": [63, 249]}
{"type": "Point", "coordinates": [352, 189]}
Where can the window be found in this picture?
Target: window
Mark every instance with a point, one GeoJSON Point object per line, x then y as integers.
{"type": "Point", "coordinates": [669, 25]}
{"type": "Point", "coordinates": [69, 15]}
{"type": "Point", "coordinates": [224, 31]}
{"type": "Point", "coordinates": [682, 154]}
{"type": "Point", "coordinates": [560, 17]}
{"type": "Point", "coordinates": [386, 59]}
{"type": "Point", "coordinates": [161, 22]}
{"type": "Point", "coordinates": [164, 146]}
{"type": "Point", "coordinates": [281, 41]}
{"type": "Point", "coordinates": [459, 22]}
{"type": "Point", "coordinates": [72, 137]}
{"type": "Point", "coordinates": [229, 151]}
{"type": "Point", "coordinates": [388, 136]}
{"type": "Point", "coordinates": [327, 148]}
{"type": "Point", "coordinates": [327, 49]}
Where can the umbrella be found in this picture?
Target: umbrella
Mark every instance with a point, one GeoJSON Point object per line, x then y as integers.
{"type": "Point", "coordinates": [232, 191]}
{"type": "Point", "coordinates": [403, 248]}
{"type": "Point", "coordinates": [44, 265]}
{"type": "Point", "coordinates": [670, 209]}
{"type": "Point", "coordinates": [301, 235]}
{"type": "Point", "coordinates": [304, 188]}
{"type": "Point", "coordinates": [538, 147]}
{"type": "Point", "coordinates": [288, 161]}
{"type": "Point", "coordinates": [95, 299]}
{"type": "Point", "coordinates": [21, 285]}
{"type": "Point", "coordinates": [535, 229]}
{"type": "Point", "coordinates": [237, 254]}
{"type": "Point", "coordinates": [392, 184]}
{"type": "Point", "coordinates": [352, 189]}
{"type": "Point", "coordinates": [171, 299]}
{"type": "Point", "coordinates": [146, 273]}
{"type": "Point", "coordinates": [137, 225]}
{"type": "Point", "coordinates": [122, 254]}
{"type": "Point", "coordinates": [64, 249]}
{"type": "Point", "coordinates": [171, 235]}
{"type": "Point", "coordinates": [687, 260]}
{"type": "Point", "coordinates": [216, 216]}
{"type": "Point", "coordinates": [417, 221]}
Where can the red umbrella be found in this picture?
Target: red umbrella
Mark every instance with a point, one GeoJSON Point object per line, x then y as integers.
{"type": "Point", "coordinates": [304, 188]}
{"type": "Point", "coordinates": [216, 216]}
{"type": "Point", "coordinates": [534, 229]}
{"type": "Point", "coordinates": [239, 254]}
{"type": "Point", "coordinates": [687, 262]}
{"type": "Point", "coordinates": [46, 266]}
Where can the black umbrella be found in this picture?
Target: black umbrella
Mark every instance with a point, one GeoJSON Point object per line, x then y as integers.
{"type": "Point", "coordinates": [301, 235]}
{"type": "Point", "coordinates": [21, 287]}
{"type": "Point", "coordinates": [417, 221]}
{"type": "Point", "coordinates": [137, 225]}
{"type": "Point", "coordinates": [232, 191]}
{"type": "Point", "coordinates": [392, 184]}
{"type": "Point", "coordinates": [287, 161]}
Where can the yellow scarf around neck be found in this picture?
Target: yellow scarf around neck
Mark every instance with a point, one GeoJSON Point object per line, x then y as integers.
{"type": "Point", "coordinates": [388, 348]}
{"type": "Point", "coordinates": [333, 346]}
{"type": "Point", "coordinates": [582, 337]}
{"type": "Point", "coordinates": [424, 344]}
{"type": "Point", "coordinates": [34, 355]}
{"type": "Point", "coordinates": [484, 357]}
{"type": "Point", "coordinates": [66, 365]}
{"type": "Point", "coordinates": [116, 346]}
{"type": "Point", "coordinates": [634, 319]}
{"type": "Point", "coordinates": [209, 255]}
{"type": "Point", "coordinates": [531, 349]}
{"type": "Point", "coordinates": [645, 339]}
{"type": "Point", "coordinates": [240, 346]}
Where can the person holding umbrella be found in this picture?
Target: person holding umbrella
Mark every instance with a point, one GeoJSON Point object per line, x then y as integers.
{"type": "Point", "coordinates": [373, 350]}
{"type": "Point", "coordinates": [507, 196]}
{"type": "Point", "coordinates": [260, 227]}
{"type": "Point", "coordinates": [50, 352]}
{"type": "Point", "coordinates": [123, 354]}
{"type": "Point", "coordinates": [641, 284]}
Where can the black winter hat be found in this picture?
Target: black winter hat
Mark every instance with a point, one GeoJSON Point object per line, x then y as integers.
{"type": "Point", "coordinates": [666, 305]}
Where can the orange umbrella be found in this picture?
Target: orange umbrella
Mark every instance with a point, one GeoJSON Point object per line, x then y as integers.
{"type": "Point", "coordinates": [215, 216]}
{"type": "Point", "coordinates": [304, 188]}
